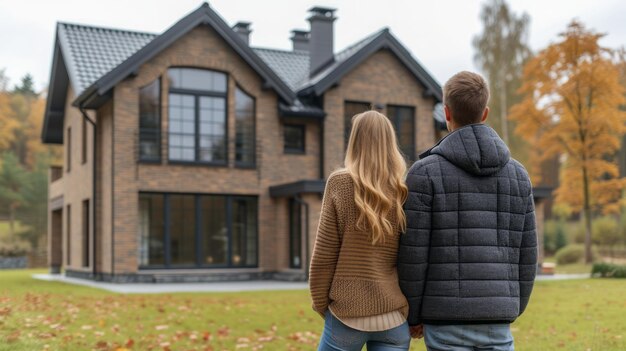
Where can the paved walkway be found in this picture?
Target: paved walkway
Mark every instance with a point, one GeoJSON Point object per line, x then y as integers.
{"type": "Point", "coordinates": [253, 285]}
{"type": "Point", "coordinates": [159, 288]}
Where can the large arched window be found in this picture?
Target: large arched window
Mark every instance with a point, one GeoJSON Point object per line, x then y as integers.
{"type": "Point", "coordinates": [197, 116]}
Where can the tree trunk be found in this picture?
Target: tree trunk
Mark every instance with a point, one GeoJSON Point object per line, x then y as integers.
{"type": "Point", "coordinates": [503, 110]}
{"type": "Point", "coordinates": [587, 216]}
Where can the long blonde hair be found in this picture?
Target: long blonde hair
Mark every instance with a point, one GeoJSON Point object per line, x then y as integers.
{"type": "Point", "coordinates": [377, 168]}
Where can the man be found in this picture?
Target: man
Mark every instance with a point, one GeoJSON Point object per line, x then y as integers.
{"type": "Point", "coordinates": [468, 259]}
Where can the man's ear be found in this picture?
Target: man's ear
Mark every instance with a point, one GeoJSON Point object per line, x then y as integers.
{"type": "Point", "coordinates": [446, 111]}
{"type": "Point", "coordinates": [485, 114]}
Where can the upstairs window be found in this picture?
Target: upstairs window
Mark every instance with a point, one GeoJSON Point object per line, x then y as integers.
{"type": "Point", "coordinates": [294, 138]}
{"type": "Point", "coordinates": [197, 116]}
{"type": "Point", "coordinates": [244, 129]}
{"type": "Point", "coordinates": [150, 122]}
{"type": "Point", "coordinates": [403, 119]}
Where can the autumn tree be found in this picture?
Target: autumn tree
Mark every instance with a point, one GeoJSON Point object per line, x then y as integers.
{"type": "Point", "coordinates": [13, 185]}
{"type": "Point", "coordinates": [500, 53]}
{"type": "Point", "coordinates": [571, 107]}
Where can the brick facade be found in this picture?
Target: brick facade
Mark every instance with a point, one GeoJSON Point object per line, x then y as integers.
{"type": "Point", "coordinates": [380, 79]}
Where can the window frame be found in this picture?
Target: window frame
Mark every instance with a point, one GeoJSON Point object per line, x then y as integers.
{"type": "Point", "coordinates": [294, 151]}
{"type": "Point", "coordinates": [198, 242]}
{"type": "Point", "coordinates": [240, 164]}
{"type": "Point", "coordinates": [293, 206]}
{"type": "Point", "coordinates": [196, 95]}
{"type": "Point", "coordinates": [159, 129]}
{"type": "Point", "coordinates": [394, 120]}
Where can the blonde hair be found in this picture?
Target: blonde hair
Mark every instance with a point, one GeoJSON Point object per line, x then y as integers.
{"type": "Point", "coordinates": [466, 94]}
{"type": "Point", "coordinates": [377, 168]}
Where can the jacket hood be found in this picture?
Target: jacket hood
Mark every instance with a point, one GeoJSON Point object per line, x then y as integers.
{"type": "Point", "coordinates": [475, 148]}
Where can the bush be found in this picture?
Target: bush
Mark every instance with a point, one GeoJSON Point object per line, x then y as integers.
{"type": "Point", "coordinates": [570, 254]}
{"type": "Point", "coordinates": [605, 231]}
{"type": "Point", "coordinates": [13, 249]}
{"type": "Point", "coordinates": [609, 270]}
{"type": "Point", "coordinates": [554, 237]}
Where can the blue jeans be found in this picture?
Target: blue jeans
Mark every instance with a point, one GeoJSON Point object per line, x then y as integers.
{"type": "Point", "coordinates": [339, 337]}
{"type": "Point", "coordinates": [469, 337]}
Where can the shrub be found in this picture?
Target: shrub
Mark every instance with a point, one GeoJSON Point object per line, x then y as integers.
{"type": "Point", "coordinates": [570, 254]}
{"type": "Point", "coordinates": [609, 270]}
{"type": "Point", "coordinates": [554, 237]}
{"type": "Point", "coordinates": [605, 231]}
{"type": "Point", "coordinates": [13, 249]}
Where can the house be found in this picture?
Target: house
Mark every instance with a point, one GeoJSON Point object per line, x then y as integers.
{"type": "Point", "coordinates": [191, 156]}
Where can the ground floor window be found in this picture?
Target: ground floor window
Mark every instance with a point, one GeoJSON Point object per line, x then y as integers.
{"type": "Point", "coordinates": [295, 234]}
{"type": "Point", "coordinates": [197, 230]}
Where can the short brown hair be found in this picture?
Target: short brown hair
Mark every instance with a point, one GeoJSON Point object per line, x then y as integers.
{"type": "Point", "coordinates": [466, 94]}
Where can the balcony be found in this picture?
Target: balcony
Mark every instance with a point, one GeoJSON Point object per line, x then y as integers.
{"type": "Point", "coordinates": [55, 184]}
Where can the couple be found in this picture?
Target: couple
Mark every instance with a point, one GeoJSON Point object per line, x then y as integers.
{"type": "Point", "coordinates": [449, 254]}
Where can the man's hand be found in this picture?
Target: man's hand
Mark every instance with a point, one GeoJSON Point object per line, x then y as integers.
{"type": "Point", "coordinates": [417, 331]}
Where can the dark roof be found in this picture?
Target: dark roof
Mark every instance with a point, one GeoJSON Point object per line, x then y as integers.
{"type": "Point", "coordinates": [91, 52]}
{"type": "Point", "coordinates": [299, 187]}
{"type": "Point", "coordinates": [291, 66]}
{"type": "Point", "coordinates": [95, 59]}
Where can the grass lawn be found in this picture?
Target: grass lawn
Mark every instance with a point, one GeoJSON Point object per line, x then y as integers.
{"type": "Point", "coordinates": [35, 315]}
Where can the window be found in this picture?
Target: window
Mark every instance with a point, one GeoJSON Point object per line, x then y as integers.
{"type": "Point", "coordinates": [197, 116]}
{"type": "Point", "coordinates": [294, 138]}
{"type": "Point", "coordinates": [295, 234]}
{"type": "Point", "coordinates": [84, 141]}
{"type": "Point", "coordinates": [150, 122]}
{"type": "Point", "coordinates": [244, 129]}
{"type": "Point", "coordinates": [191, 230]}
{"type": "Point", "coordinates": [85, 233]}
{"type": "Point", "coordinates": [151, 224]}
{"type": "Point", "coordinates": [68, 234]}
{"type": "Point", "coordinates": [403, 119]}
{"type": "Point", "coordinates": [350, 109]}
{"type": "Point", "coordinates": [68, 151]}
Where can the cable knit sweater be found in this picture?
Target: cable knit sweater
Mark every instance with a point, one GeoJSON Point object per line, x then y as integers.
{"type": "Point", "coordinates": [347, 272]}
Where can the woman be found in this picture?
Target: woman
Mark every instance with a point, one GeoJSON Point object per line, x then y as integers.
{"type": "Point", "coordinates": [353, 278]}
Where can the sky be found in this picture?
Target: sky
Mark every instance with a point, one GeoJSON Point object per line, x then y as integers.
{"type": "Point", "coordinates": [437, 32]}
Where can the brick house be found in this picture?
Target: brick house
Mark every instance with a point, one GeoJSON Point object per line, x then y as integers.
{"type": "Point", "coordinates": [191, 156]}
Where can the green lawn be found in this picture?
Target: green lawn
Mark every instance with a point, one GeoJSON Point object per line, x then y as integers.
{"type": "Point", "coordinates": [36, 315]}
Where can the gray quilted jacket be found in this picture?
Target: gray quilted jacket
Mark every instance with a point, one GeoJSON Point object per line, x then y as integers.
{"type": "Point", "coordinates": [469, 254]}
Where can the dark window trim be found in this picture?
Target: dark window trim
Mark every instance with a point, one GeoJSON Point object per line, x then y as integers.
{"type": "Point", "coordinates": [239, 164]}
{"type": "Point", "coordinates": [293, 202]}
{"type": "Point", "coordinates": [84, 141]}
{"type": "Point", "coordinates": [68, 167]}
{"type": "Point", "coordinates": [196, 94]}
{"type": "Point", "coordinates": [294, 151]}
{"type": "Point", "coordinates": [197, 236]}
{"type": "Point", "coordinates": [394, 121]}
{"type": "Point", "coordinates": [86, 233]}
{"type": "Point", "coordinates": [159, 129]}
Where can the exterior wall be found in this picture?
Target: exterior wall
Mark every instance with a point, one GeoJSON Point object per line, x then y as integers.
{"type": "Point", "coordinates": [380, 79]}
{"type": "Point", "coordinates": [202, 48]}
{"type": "Point", "coordinates": [104, 188]}
{"type": "Point", "coordinates": [77, 184]}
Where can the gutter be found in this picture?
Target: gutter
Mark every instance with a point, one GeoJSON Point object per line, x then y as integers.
{"type": "Point", "coordinates": [93, 195]}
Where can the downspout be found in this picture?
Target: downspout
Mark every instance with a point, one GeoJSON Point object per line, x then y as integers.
{"type": "Point", "coordinates": [304, 204]}
{"type": "Point", "coordinates": [93, 195]}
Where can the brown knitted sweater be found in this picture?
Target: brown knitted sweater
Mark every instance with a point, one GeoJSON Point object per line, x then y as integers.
{"type": "Point", "coordinates": [348, 273]}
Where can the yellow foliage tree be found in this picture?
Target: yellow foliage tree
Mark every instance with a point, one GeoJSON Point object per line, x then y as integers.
{"type": "Point", "coordinates": [8, 123]}
{"type": "Point", "coordinates": [571, 98]}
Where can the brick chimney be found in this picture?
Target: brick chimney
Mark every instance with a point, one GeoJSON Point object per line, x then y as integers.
{"type": "Point", "coordinates": [243, 30]}
{"type": "Point", "coordinates": [322, 37]}
{"type": "Point", "coordinates": [300, 40]}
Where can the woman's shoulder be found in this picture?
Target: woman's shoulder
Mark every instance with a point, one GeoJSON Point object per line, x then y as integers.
{"type": "Point", "coordinates": [339, 177]}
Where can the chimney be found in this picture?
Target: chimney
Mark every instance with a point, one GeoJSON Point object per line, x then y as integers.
{"type": "Point", "coordinates": [300, 40]}
{"type": "Point", "coordinates": [243, 30]}
{"type": "Point", "coordinates": [321, 43]}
